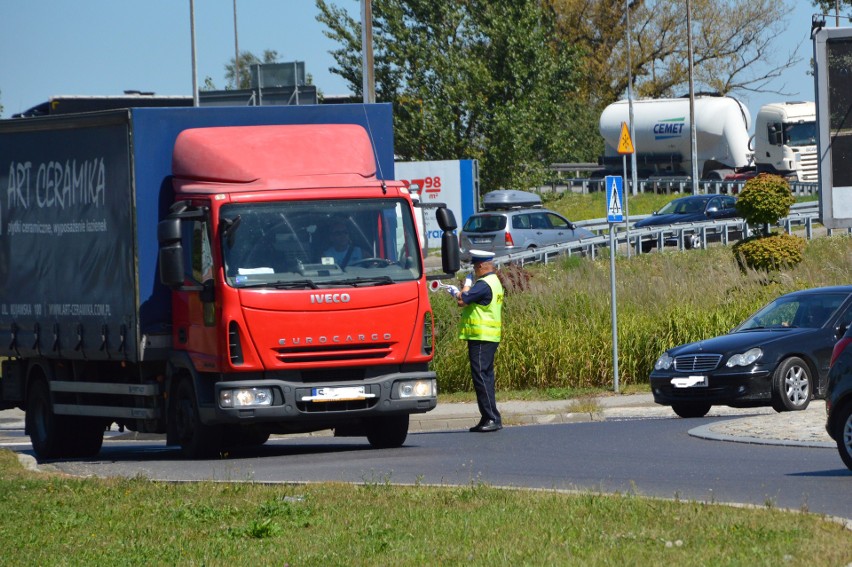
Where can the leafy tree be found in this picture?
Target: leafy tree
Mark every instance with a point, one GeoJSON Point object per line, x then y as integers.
{"type": "Point", "coordinates": [732, 42]}
{"type": "Point", "coordinates": [483, 79]}
{"type": "Point", "coordinates": [247, 59]}
{"type": "Point", "coordinates": [833, 6]}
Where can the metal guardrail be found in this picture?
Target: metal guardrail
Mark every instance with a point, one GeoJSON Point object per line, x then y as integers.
{"type": "Point", "coordinates": [683, 234]}
{"type": "Point", "coordinates": [667, 185]}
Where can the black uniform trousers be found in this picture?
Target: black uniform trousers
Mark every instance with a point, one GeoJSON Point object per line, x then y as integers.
{"type": "Point", "coordinates": [481, 355]}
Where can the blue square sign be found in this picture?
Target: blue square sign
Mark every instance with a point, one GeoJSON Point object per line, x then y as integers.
{"type": "Point", "coordinates": [614, 198]}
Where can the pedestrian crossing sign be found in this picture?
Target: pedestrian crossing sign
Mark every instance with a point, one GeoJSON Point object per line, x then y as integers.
{"type": "Point", "coordinates": [614, 198]}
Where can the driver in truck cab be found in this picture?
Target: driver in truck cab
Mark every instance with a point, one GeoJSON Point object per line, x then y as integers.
{"type": "Point", "coordinates": [341, 248]}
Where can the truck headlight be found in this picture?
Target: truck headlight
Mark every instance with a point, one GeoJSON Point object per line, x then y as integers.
{"type": "Point", "coordinates": [417, 389]}
{"type": "Point", "coordinates": [245, 397]}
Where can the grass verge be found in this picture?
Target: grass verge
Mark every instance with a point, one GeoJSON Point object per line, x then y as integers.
{"type": "Point", "coordinates": [54, 520]}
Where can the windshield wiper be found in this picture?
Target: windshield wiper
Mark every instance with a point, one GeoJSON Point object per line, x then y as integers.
{"type": "Point", "coordinates": [355, 282]}
{"type": "Point", "coordinates": [282, 284]}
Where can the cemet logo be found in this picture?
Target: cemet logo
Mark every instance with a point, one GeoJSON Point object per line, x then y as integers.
{"type": "Point", "coordinates": [672, 128]}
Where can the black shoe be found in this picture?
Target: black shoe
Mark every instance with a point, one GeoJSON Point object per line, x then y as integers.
{"type": "Point", "coordinates": [488, 426]}
{"type": "Point", "coordinates": [476, 427]}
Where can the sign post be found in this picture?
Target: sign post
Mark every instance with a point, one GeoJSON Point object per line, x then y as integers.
{"type": "Point", "coordinates": [625, 147]}
{"type": "Point", "coordinates": [614, 215]}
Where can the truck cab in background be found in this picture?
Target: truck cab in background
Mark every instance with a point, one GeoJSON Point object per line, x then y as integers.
{"type": "Point", "coordinates": [785, 140]}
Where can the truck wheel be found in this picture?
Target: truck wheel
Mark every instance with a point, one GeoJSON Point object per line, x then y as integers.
{"type": "Point", "coordinates": [843, 434]}
{"type": "Point", "coordinates": [387, 432]}
{"type": "Point", "coordinates": [196, 440]}
{"type": "Point", "coordinates": [85, 436]}
{"type": "Point", "coordinates": [45, 428]}
{"type": "Point", "coordinates": [791, 385]}
{"type": "Point", "coordinates": [691, 409]}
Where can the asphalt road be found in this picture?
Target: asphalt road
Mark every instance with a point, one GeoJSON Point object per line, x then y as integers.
{"type": "Point", "coordinates": [651, 457]}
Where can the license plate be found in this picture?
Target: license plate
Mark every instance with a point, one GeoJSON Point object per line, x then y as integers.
{"type": "Point", "coordinates": [690, 382]}
{"type": "Point", "coordinates": [338, 394]}
{"type": "Point", "coordinates": [480, 240]}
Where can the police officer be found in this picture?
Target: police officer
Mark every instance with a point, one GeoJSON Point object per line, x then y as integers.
{"type": "Point", "coordinates": [481, 326]}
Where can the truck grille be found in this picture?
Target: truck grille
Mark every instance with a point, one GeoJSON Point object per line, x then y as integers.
{"type": "Point", "coordinates": [809, 167]}
{"type": "Point", "coordinates": [697, 362]}
{"type": "Point", "coordinates": [326, 353]}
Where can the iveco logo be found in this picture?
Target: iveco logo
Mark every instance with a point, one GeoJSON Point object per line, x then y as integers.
{"type": "Point", "coordinates": [330, 298]}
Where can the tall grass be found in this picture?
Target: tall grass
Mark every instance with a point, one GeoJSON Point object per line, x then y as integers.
{"type": "Point", "coordinates": [557, 330]}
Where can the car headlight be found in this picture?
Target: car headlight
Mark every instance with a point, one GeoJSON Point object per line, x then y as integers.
{"type": "Point", "coordinates": [664, 362]}
{"type": "Point", "coordinates": [745, 359]}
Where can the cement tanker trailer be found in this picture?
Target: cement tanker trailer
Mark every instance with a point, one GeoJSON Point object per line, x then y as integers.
{"type": "Point", "coordinates": [662, 137]}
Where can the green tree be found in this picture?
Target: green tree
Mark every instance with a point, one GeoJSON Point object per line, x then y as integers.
{"type": "Point", "coordinates": [734, 45]}
{"type": "Point", "coordinates": [483, 79]}
{"type": "Point", "coordinates": [247, 59]}
{"type": "Point", "coordinates": [834, 7]}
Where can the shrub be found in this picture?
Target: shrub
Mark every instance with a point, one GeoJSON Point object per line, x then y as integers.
{"type": "Point", "coordinates": [769, 253]}
{"type": "Point", "coordinates": [765, 199]}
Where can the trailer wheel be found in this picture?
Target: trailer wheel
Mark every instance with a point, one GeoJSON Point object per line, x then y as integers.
{"type": "Point", "coordinates": [196, 440]}
{"type": "Point", "coordinates": [387, 432]}
{"type": "Point", "coordinates": [45, 428]}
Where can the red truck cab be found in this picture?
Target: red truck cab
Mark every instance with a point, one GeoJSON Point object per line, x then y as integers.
{"type": "Point", "coordinates": [299, 296]}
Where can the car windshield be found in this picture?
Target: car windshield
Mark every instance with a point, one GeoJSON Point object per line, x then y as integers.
{"type": "Point", "coordinates": [808, 311]}
{"type": "Point", "coordinates": [310, 244]}
{"type": "Point", "coordinates": [682, 207]}
{"type": "Point", "coordinates": [485, 223]}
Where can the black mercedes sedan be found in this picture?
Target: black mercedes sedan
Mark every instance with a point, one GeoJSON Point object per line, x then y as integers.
{"type": "Point", "coordinates": [779, 356]}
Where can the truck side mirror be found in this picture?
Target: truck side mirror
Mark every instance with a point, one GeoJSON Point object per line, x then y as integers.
{"type": "Point", "coordinates": [450, 262]}
{"type": "Point", "coordinates": [776, 136]}
{"type": "Point", "coordinates": [171, 252]}
{"type": "Point", "coordinates": [446, 219]}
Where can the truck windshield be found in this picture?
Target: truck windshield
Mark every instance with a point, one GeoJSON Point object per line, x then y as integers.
{"type": "Point", "coordinates": [310, 244]}
{"type": "Point", "coordinates": [801, 134]}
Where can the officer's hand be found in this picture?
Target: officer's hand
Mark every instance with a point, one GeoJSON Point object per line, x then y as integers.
{"type": "Point", "coordinates": [468, 280]}
{"type": "Point", "coordinates": [452, 290]}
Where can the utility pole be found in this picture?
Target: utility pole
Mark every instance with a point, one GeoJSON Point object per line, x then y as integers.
{"type": "Point", "coordinates": [369, 83]}
{"type": "Point", "coordinates": [194, 62]}
{"type": "Point", "coordinates": [236, 50]}
{"type": "Point", "coordinates": [693, 142]}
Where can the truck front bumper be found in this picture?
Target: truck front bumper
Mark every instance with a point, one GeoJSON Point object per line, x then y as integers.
{"type": "Point", "coordinates": [326, 402]}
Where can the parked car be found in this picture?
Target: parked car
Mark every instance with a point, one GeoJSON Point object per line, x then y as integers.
{"type": "Point", "coordinates": [513, 221]}
{"type": "Point", "coordinates": [838, 398]}
{"type": "Point", "coordinates": [694, 208]}
{"type": "Point", "coordinates": [778, 357]}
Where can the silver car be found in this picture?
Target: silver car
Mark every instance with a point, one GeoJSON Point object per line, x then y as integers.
{"type": "Point", "coordinates": [516, 230]}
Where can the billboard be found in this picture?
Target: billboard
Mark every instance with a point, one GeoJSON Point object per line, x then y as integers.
{"type": "Point", "coordinates": [833, 78]}
{"type": "Point", "coordinates": [454, 183]}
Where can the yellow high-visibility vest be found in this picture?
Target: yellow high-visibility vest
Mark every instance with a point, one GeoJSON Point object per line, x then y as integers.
{"type": "Point", "coordinates": [484, 322]}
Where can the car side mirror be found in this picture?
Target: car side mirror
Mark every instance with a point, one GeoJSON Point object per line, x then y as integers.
{"type": "Point", "coordinates": [572, 226]}
{"type": "Point", "coordinates": [712, 209]}
{"type": "Point", "coordinates": [839, 331]}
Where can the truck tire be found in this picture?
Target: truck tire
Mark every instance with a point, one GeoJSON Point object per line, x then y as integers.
{"type": "Point", "coordinates": [196, 440]}
{"type": "Point", "coordinates": [45, 428]}
{"type": "Point", "coordinates": [387, 432]}
{"type": "Point", "coordinates": [85, 436]}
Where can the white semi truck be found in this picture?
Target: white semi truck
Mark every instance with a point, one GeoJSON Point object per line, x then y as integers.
{"type": "Point", "coordinates": [784, 141]}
